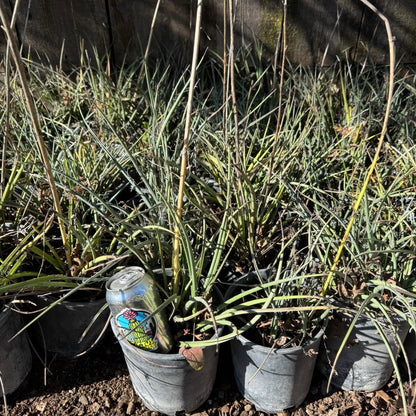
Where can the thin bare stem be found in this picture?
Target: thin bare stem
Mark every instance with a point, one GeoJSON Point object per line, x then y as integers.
{"type": "Point", "coordinates": [7, 137]}
{"type": "Point", "coordinates": [237, 148]}
{"type": "Point", "coordinates": [7, 124]}
{"type": "Point", "coordinates": [11, 36]}
{"type": "Point", "coordinates": [233, 95]}
{"type": "Point", "coordinates": [224, 85]}
{"type": "Point", "coordinates": [184, 159]}
{"type": "Point", "coordinates": [279, 110]}
{"type": "Point", "coordinates": [14, 16]}
{"type": "Point", "coordinates": [6, 409]}
{"type": "Point", "coordinates": [149, 41]}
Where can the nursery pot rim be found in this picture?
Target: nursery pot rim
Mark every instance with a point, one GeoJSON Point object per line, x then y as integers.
{"type": "Point", "coordinates": [5, 310]}
{"type": "Point", "coordinates": [55, 296]}
{"type": "Point", "coordinates": [160, 355]}
{"type": "Point", "coordinates": [346, 311]}
{"type": "Point", "coordinates": [277, 350]}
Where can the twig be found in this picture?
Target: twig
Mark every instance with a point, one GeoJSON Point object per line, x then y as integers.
{"type": "Point", "coordinates": [237, 148]}
{"type": "Point", "coordinates": [100, 335]}
{"type": "Point", "coordinates": [7, 124]}
{"type": "Point", "coordinates": [339, 14]}
{"type": "Point", "coordinates": [264, 361]}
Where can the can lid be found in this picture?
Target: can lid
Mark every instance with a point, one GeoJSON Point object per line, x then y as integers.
{"type": "Point", "coordinates": [125, 279]}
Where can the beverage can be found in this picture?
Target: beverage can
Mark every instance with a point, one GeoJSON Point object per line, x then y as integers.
{"type": "Point", "coordinates": [133, 297]}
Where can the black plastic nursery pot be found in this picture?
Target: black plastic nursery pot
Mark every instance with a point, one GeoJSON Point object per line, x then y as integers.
{"type": "Point", "coordinates": [410, 348]}
{"type": "Point", "coordinates": [274, 379]}
{"type": "Point", "coordinates": [167, 383]}
{"type": "Point", "coordinates": [15, 355]}
{"type": "Point", "coordinates": [364, 363]}
{"type": "Point", "coordinates": [63, 329]}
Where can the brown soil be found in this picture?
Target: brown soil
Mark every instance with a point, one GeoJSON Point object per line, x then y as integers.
{"type": "Point", "coordinates": [98, 384]}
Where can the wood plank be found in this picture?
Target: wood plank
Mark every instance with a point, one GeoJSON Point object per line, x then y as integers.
{"type": "Point", "coordinates": [316, 29]}
{"type": "Point", "coordinates": [3, 41]}
{"type": "Point", "coordinates": [344, 28]}
{"type": "Point", "coordinates": [131, 22]}
{"type": "Point", "coordinates": [45, 26]}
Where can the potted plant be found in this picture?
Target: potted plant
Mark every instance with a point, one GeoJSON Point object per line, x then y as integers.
{"type": "Point", "coordinates": [188, 254]}
{"type": "Point", "coordinates": [279, 322]}
{"type": "Point", "coordinates": [17, 278]}
{"type": "Point", "coordinates": [77, 294]}
{"type": "Point", "coordinates": [366, 334]}
{"type": "Point", "coordinates": [15, 355]}
{"type": "Point", "coordinates": [73, 240]}
{"type": "Point", "coordinates": [282, 320]}
{"type": "Point", "coordinates": [367, 329]}
{"type": "Point", "coordinates": [361, 246]}
{"type": "Point", "coordinates": [272, 235]}
{"type": "Point", "coordinates": [374, 313]}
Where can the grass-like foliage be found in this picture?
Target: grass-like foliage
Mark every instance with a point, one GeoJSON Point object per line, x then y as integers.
{"type": "Point", "coordinates": [255, 197]}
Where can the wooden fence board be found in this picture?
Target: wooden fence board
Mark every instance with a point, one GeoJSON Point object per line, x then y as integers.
{"type": "Point", "coordinates": [131, 23]}
{"type": "Point", "coordinates": [316, 29]}
{"type": "Point", "coordinates": [45, 26]}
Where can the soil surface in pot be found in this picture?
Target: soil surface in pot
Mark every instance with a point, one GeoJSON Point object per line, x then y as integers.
{"type": "Point", "coordinates": [98, 384]}
{"type": "Point", "coordinates": [289, 333]}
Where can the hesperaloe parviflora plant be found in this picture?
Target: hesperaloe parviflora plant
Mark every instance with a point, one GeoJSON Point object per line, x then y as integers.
{"type": "Point", "coordinates": [12, 42]}
{"type": "Point", "coordinates": [378, 149]}
{"type": "Point", "coordinates": [374, 300]}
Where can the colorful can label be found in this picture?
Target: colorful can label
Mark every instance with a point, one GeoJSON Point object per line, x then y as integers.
{"type": "Point", "coordinates": [133, 297]}
{"type": "Point", "coordinates": [137, 330]}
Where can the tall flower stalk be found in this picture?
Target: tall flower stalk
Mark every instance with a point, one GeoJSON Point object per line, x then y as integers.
{"type": "Point", "coordinates": [184, 159]}
{"type": "Point", "coordinates": [377, 152]}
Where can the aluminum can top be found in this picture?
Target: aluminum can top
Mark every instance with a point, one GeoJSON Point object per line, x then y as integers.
{"type": "Point", "coordinates": [125, 279]}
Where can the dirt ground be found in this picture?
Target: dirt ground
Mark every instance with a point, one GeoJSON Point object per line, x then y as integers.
{"type": "Point", "coordinates": [98, 384]}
